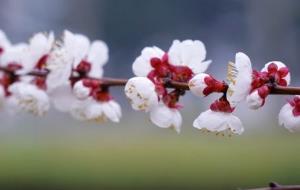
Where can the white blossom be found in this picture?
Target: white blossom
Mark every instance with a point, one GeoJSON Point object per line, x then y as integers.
{"type": "Point", "coordinates": [14, 54]}
{"type": "Point", "coordinates": [39, 45]}
{"type": "Point", "coordinates": [288, 119]}
{"type": "Point", "coordinates": [240, 78]}
{"type": "Point", "coordinates": [63, 63]}
{"type": "Point", "coordinates": [141, 93]}
{"type": "Point", "coordinates": [77, 45]}
{"type": "Point", "coordinates": [142, 66]}
{"type": "Point", "coordinates": [254, 100]}
{"type": "Point", "coordinates": [187, 56]}
{"type": "Point", "coordinates": [59, 64]}
{"type": "Point", "coordinates": [97, 56]}
{"type": "Point", "coordinates": [75, 49]}
{"type": "Point", "coordinates": [62, 98]}
{"type": "Point", "coordinates": [79, 48]}
{"type": "Point", "coordinates": [189, 53]}
{"type": "Point", "coordinates": [219, 122]}
{"type": "Point", "coordinates": [197, 84]}
{"type": "Point", "coordinates": [166, 117]}
{"type": "Point", "coordinates": [81, 92]}
{"type": "Point", "coordinates": [4, 42]}
{"type": "Point", "coordinates": [29, 98]}
{"type": "Point", "coordinates": [91, 110]}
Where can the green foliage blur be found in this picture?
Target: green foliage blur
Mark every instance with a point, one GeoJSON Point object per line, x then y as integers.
{"type": "Point", "coordinates": [161, 161]}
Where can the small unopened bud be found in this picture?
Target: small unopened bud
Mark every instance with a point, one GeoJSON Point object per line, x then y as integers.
{"type": "Point", "coordinates": [197, 84]}
{"type": "Point", "coordinates": [254, 100]}
{"type": "Point", "coordinates": [141, 93]}
{"type": "Point", "coordinates": [203, 84]}
{"type": "Point", "coordinates": [81, 91]}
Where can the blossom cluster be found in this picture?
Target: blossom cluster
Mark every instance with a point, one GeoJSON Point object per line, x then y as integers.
{"type": "Point", "coordinates": [185, 62]}
{"type": "Point", "coordinates": [73, 68]}
{"type": "Point", "coordinates": [68, 74]}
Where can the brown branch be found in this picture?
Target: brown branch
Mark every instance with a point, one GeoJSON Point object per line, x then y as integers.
{"type": "Point", "coordinates": [275, 186]}
{"type": "Point", "coordinates": [6, 70]}
{"type": "Point", "coordinates": [38, 73]}
{"type": "Point", "coordinates": [178, 85]}
{"type": "Point", "coordinates": [276, 90]}
{"type": "Point", "coordinates": [281, 90]}
{"type": "Point", "coordinates": [122, 82]}
{"type": "Point", "coordinates": [113, 82]}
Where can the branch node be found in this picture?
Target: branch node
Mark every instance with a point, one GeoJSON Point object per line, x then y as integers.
{"type": "Point", "coordinates": [273, 185]}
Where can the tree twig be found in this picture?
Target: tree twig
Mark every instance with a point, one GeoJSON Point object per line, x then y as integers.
{"type": "Point", "coordinates": [276, 186]}
{"type": "Point", "coordinates": [276, 90]}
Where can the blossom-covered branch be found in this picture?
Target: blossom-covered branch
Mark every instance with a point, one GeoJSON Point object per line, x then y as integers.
{"type": "Point", "coordinates": [275, 90]}
{"type": "Point", "coordinates": [68, 73]}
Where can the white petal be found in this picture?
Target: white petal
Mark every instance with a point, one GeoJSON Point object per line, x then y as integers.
{"type": "Point", "coordinates": [197, 84]}
{"type": "Point", "coordinates": [141, 93]}
{"type": "Point", "coordinates": [218, 122]}
{"type": "Point", "coordinates": [4, 42]}
{"type": "Point", "coordinates": [189, 53]}
{"type": "Point", "coordinates": [235, 124]}
{"type": "Point", "coordinates": [98, 56]}
{"type": "Point", "coordinates": [41, 44]}
{"type": "Point", "coordinates": [142, 66]}
{"type": "Point", "coordinates": [85, 110]}
{"type": "Point", "coordinates": [59, 64]}
{"type": "Point", "coordinates": [62, 98]}
{"type": "Point", "coordinates": [288, 120]}
{"type": "Point", "coordinates": [209, 120]}
{"type": "Point", "coordinates": [165, 117]}
{"type": "Point", "coordinates": [112, 110]}
{"type": "Point", "coordinates": [279, 65]}
{"type": "Point", "coordinates": [91, 110]}
{"type": "Point", "coordinates": [204, 66]}
{"type": "Point", "coordinates": [14, 54]}
{"type": "Point", "coordinates": [116, 107]}
{"type": "Point", "coordinates": [30, 98]}
{"type": "Point", "coordinates": [254, 101]}
{"type": "Point", "coordinates": [77, 46]}
{"type": "Point", "coordinates": [80, 91]}
{"type": "Point", "coordinates": [240, 79]}
{"type": "Point", "coordinates": [26, 79]}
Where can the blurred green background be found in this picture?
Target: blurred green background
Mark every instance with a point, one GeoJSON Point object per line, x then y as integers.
{"type": "Point", "coordinates": [158, 160]}
{"type": "Point", "coordinates": [57, 152]}
{"type": "Point", "coordinates": [172, 162]}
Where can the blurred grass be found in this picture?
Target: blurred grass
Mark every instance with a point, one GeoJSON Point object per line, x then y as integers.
{"type": "Point", "coordinates": [165, 161]}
